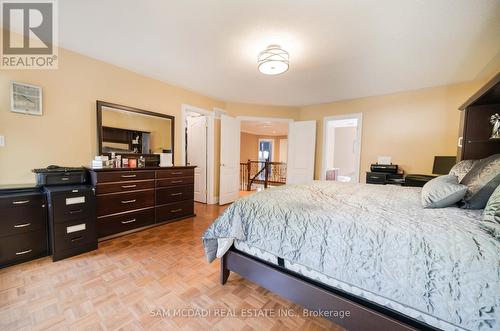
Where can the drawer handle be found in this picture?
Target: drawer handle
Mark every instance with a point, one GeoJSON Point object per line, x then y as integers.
{"type": "Point", "coordinates": [129, 176]}
{"type": "Point", "coordinates": [177, 173]}
{"type": "Point", "coordinates": [129, 186]}
{"type": "Point", "coordinates": [131, 221]}
{"type": "Point", "coordinates": [174, 194]}
{"type": "Point", "coordinates": [20, 202]}
{"type": "Point", "coordinates": [76, 239]}
{"type": "Point", "coordinates": [75, 211]}
{"type": "Point", "coordinates": [176, 210]}
{"type": "Point", "coordinates": [22, 225]}
{"type": "Point", "coordinates": [65, 178]}
{"type": "Point", "coordinates": [24, 252]}
{"type": "Point", "coordinates": [177, 181]}
{"type": "Point", "coordinates": [129, 201]}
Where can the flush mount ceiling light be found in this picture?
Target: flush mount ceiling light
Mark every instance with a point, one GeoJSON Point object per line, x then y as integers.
{"type": "Point", "coordinates": [273, 61]}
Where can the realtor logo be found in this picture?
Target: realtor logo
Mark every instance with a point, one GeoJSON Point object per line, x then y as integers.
{"type": "Point", "coordinates": [29, 34]}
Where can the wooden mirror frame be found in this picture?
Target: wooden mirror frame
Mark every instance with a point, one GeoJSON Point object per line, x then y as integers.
{"type": "Point", "coordinates": [101, 104]}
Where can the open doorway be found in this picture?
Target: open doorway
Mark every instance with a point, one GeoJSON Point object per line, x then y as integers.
{"type": "Point", "coordinates": [296, 164]}
{"type": "Point", "coordinates": [342, 148]}
{"type": "Point", "coordinates": [263, 153]}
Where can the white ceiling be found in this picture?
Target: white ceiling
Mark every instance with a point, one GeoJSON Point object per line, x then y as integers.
{"type": "Point", "coordinates": [338, 49]}
{"type": "Point", "coordinates": [265, 128]}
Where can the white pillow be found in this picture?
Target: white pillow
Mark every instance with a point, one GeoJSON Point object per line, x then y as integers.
{"type": "Point", "coordinates": [442, 191]}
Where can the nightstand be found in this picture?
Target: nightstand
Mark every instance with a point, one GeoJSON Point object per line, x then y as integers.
{"type": "Point", "coordinates": [417, 180]}
{"type": "Point", "coordinates": [384, 178]}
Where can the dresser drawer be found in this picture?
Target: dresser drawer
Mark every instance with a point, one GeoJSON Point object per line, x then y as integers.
{"type": "Point", "coordinates": [124, 186]}
{"type": "Point", "coordinates": [23, 247]}
{"type": "Point", "coordinates": [21, 200]}
{"type": "Point", "coordinates": [175, 181]}
{"type": "Point", "coordinates": [123, 176]}
{"type": "Point", "coordinates": [121, 202]}
{"type": "Point", "coordinates": [174, 210]}
{"type": "Point", "coordinates": [109, 225]}
{"type": "Point", "coordinates": [172, 173]}
{"type": "Point", "coordinates": [23, 219]}
{"type": "Point", "coordinates": [376, 178]}
{"type": "Point", "coordinates": [73, 205]}
{"type": "Point", "coordinates": [173, 194]}
{"type": "Point", "coordinates": [73, 234]}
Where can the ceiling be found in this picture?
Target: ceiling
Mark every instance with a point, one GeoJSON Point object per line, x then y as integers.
{"type": "Point", "coordinates": [338, 49]}
{"type": "Point", "coordinates": [265, 128]}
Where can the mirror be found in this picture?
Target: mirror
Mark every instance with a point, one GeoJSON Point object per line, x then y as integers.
{"type": "Point", "coordinates": [132, 131]}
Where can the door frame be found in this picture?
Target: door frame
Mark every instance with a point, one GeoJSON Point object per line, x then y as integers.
{"type": "Point", "coordinates": [283, 150]}
{"type": "Point", "coordinates": [210, 116]}
{"type": "Point", "coordinates": [359, 135]}
{"type": "Point", "coordinates": [264, 119]}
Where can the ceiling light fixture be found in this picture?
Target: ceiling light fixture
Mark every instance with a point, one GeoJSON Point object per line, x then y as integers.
{"type": "Point", "coordinates": [273, 60]}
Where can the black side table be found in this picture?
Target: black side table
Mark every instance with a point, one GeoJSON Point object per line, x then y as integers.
{"type": "Point", "coordinates": [417, 180]}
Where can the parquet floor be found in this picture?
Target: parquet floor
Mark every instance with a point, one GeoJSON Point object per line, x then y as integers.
{"type": "Point", "coordinates": [134, 282]}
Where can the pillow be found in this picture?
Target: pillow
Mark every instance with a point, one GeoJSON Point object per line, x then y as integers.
{"type": "Point", "coordinates": [462, 168]}
{"type": "Point", "coordinates": [491, 214]}
{"type": "Point", "coordinates": [481, 181]}
{"type": "Point", "coordinates": [442, 191]}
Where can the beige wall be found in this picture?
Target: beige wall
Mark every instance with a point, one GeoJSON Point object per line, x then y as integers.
{"type": "Point", "coordinates": [249, 146]}
{"type": "Point", "coordinates": [412, 127]}
{"type": "Point", "coordinates": [66, 133]}
{"type": "Point", "coordinates": [244, 109]}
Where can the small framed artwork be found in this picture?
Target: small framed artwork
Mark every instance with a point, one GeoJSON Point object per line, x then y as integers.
{"type": "Point", "coordinates": [26, 99]}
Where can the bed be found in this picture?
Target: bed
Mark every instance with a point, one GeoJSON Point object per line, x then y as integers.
{"type": "Point", "coordinates": [369, 249]}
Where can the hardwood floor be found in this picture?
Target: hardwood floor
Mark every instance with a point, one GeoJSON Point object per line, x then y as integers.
{"type": "Point", "coordinates": [131, 281]}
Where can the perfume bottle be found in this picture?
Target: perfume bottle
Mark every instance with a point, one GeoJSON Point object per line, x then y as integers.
{"type": "Point", "coordinates": [118, 161]}
{"type": "Point", "coordinates": [142, 162]}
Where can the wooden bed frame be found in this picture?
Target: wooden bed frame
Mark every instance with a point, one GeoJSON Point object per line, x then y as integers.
{"type": "Point", "coordinates": [316, 296]}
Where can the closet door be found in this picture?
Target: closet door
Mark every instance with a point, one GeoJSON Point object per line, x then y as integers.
{"type": "Point", "coordinates": [229, 160]}
{"type": "Point", "coordinates": [301, 152]}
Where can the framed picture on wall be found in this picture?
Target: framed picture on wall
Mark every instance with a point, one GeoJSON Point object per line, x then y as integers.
{"type": "Point", "coordinates": [26, 98]}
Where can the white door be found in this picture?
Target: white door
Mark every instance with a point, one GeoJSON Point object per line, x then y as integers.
{"type": "Point", "coordinates": [229, 187]}
{"type": "Point", "coordinates": [301, 149]}
{"type": "Point", "coordinates": [197, 154]}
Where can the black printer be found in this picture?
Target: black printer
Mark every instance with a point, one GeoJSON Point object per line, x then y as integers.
{"type": "Point", "coordinates": [56, 175]}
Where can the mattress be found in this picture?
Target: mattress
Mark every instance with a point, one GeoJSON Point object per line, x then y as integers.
{"type": "Point", "coordinates": [345, 287]}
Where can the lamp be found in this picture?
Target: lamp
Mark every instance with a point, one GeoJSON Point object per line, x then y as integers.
{"type": "Point", "coordinates": [273, 60]}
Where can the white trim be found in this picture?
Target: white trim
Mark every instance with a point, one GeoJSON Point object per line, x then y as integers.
{"type": "Point", "coordinates": [266, 135]}
{"type": "Point", "coordinates": [359, 117]}
{"type": "Point", "coordinates": [218, 112]}
{"type": "Point", "coordinates": [263, 119]}
{"type": "Point", "coordinates": [211, 198]}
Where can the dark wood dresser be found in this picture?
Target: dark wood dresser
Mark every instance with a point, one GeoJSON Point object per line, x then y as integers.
{"type": "Point", "coordinates": [475, 129]}
{"type": "Point", "coordinates": [23, 225]}
{"type": "Point", "coordinates": [132, 199]}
